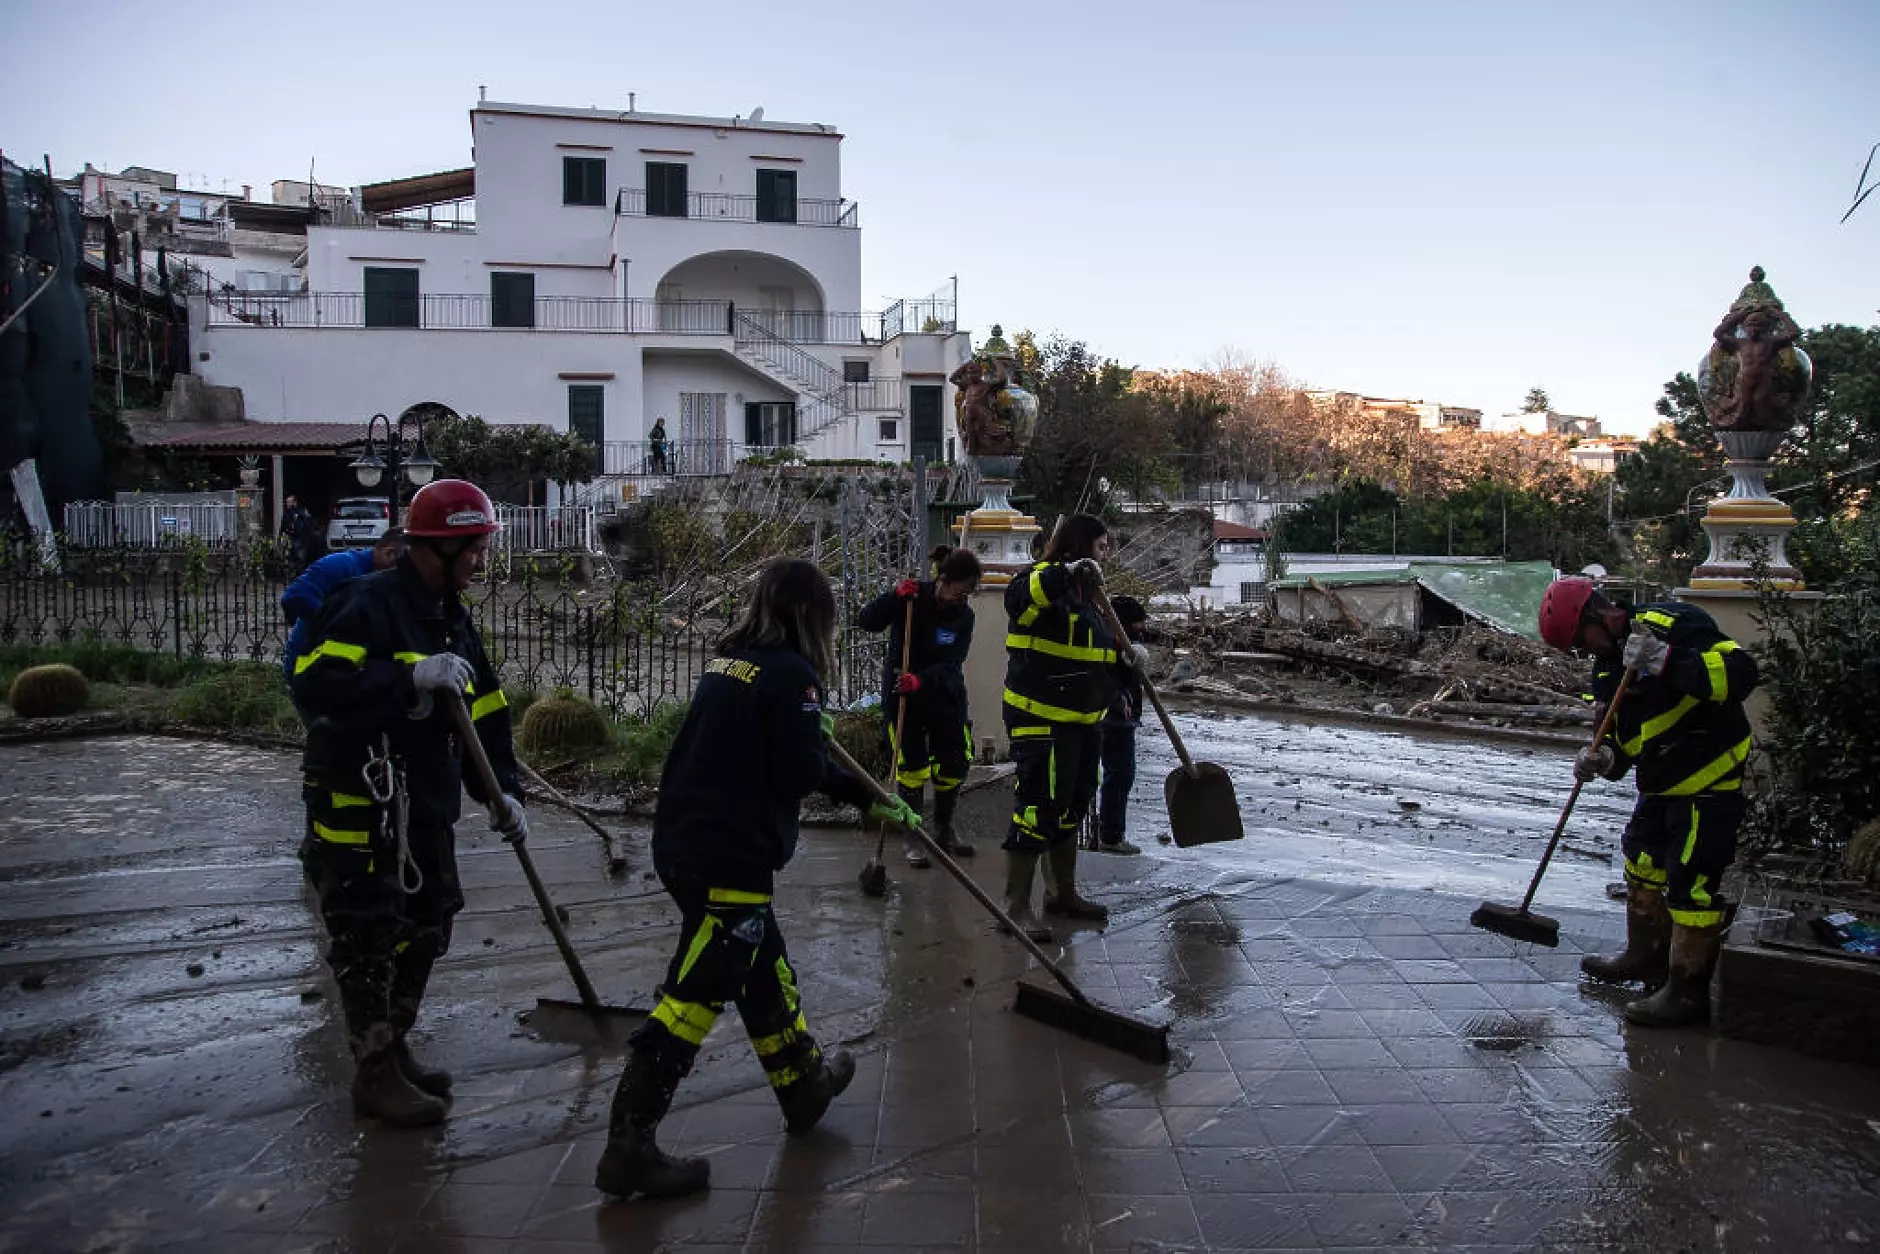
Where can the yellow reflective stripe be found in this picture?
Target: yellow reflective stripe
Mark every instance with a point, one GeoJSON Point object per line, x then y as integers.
{"type": "Point", "coordinates": [1699, 893]}
{"type": "Point", "coordinates": [1658, 619]}
{"type": "Point", "coordinates": [1656, 727]}
{"type": "Point", "coordinates": [1725, 762]}
{"type": "Point", "coordinates": [1053, 777]}
{"type": "Point", "coordinates": [913, 779]}
{"type": "Point", "coordinates": [1719, 681]}
{"type": "Point", "coordinates": [1690, 841]}
{"type": "Point", "coordinates": [1696, 918]}
{"type": "Point", "coordinates": [735, 897]}
{"type": "Point", "coordinates": [354, 653]}
{"type": "Point", "coordinates": [1074, 652]}
{"type": "Point", "coordinates": [488, 705]}
{"type": "Point", "coordinates": [343, 799]}
{"type": "Point", "coordinates": [1030, 731]}
{"type": "Point", "coordinates": [786, 984]}
{"type": "Point", "coordinates": [1038, 598]}
{"type": "Point", "coordinates": [409, 657]}
{"type": "Point", "coordinates": [785, 1077]}
{"type": "Point", "coordinates": [768, 1045]}
{"type": "Point", "coordinates": [687, 1020]}
{"type": "Point", "coordinates": [946, 783]}
{"type": "Point", "coordinates": [1642, 870]}
{"type": "Point", "coordinates": [700, 939]}
{"type": "Point", "coordinates": [1055, 713]}
{"type": "Point", "coordinates": [340, 836]}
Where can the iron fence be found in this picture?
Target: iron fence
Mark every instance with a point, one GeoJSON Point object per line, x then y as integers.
{"type": "Point", "coordinates": [626, 647]}
{"type": "Point", "coordinates": [735, 207]}
{"type": "Point", "coordinates": [545, 528]}
{"type": "Point", "coordinates": [142, 524]}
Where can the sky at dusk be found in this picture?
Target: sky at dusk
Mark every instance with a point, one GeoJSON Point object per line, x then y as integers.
{"type": "Point", "coordinates": [1446, 202]}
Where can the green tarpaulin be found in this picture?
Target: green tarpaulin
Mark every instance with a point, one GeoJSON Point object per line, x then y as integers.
{"type": "Point", "coordinates": [1506, 595]}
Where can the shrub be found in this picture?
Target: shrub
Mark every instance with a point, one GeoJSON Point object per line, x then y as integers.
{"type": "Point", "coordinates": [48, 692]}
{"type": "Point", "coordinates": [245, 696]}
{"type": "Point", "coordinates": [563, 721]}
{"type": "Point", "coordinates": [646, 740]}
{"type": "Point", "coordinates": [861, 733]}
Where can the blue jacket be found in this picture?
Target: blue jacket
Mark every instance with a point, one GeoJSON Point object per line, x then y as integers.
{"type": "Point", "coordinates": [303, 596]}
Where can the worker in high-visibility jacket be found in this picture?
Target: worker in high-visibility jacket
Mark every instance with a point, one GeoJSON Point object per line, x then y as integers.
{"type": "Point", "coordinates": [1059, 682]}
{"type": "Point", "coordinates": [1682, 729]}
{"type": "Point", "coordinates": [384, 784]}
{"type": "Point", "coordinates": [753, 745]}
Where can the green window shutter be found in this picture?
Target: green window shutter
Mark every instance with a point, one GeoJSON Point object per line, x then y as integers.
{"type": "Point", "coordinates": [512, 299]}
{"type": "Point", "coordinates": [391, 296]}
{"type": "Point", "coordinates": [587, 415]}
{"type": "Point", "coordinates": [776, 195]}
{"type": "Point", "coordinates": [665, 189]}
{"type": "Point", "coordinates": [924, 404]}
{"type": "Point", "coordinates": [583, 180]}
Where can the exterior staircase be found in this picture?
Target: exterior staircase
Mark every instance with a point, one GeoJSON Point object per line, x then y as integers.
{"type": "Point", "coordinates": [823, 399]}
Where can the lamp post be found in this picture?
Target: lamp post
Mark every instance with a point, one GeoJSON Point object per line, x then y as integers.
{"type": "Point", "coordinates": [400, 454]}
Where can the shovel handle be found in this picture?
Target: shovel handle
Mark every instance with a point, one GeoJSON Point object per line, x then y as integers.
{"type": "Point", "coordinates": [954, 869]}
{"type": "Point", "coordinates": [1566, 811]}
{"type": "Point", "coordinates": [554, 794]}
{"type": "Point", "coordinates": [900, 715]}
{"type": "Point", "coordinates": [473, 746]}
{"type": "Point", "coordinates": [1110, 620]}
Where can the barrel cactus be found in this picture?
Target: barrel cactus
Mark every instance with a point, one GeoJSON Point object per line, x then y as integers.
{"type": "Point", "coordinates": [564, 722]}
{"type": "Point", "coordinates": [48, 691]}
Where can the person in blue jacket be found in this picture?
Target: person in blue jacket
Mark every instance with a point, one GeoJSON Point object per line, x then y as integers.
{"type": "Point", "coordinates": [303, 596]}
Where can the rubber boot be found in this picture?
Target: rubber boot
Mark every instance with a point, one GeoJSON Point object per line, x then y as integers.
{"type": "Point", "coordinates": [944, 804]}
{"type": "Point", "coordinates": [1647, 942]}
{"type": "Point", "coordinates": [432, 1080]}
{"type": "Point", "coordinates": [1020, 868]}
{"type": "Point", "coordinates": [1062, 899]}
{"type": "Point", "coordinates": [1685, 998]}
{"type": "Point", "coordinates": [381, 1091]}
{"type": "Point", "coordinates": [805, 1101]}
{"type": "Point", "coordinates": [916, 852]}
{"type": "Point", "coordinates": [633, 1162]}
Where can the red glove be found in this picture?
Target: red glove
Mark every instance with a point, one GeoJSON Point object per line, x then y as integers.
{"type": "Point", "coordinates": [907, 683]}
{"type": "Point", "coordinates": [907, 589]}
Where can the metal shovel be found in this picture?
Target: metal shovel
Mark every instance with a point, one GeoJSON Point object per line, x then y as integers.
{"type": "Point", "coordinates": [588, 1021]}
{"type": "Point", "coordinates": [1202, 808]}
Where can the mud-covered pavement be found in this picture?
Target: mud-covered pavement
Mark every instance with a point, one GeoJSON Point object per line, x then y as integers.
{"type": "Point", "coordinates": [1356, 1067]}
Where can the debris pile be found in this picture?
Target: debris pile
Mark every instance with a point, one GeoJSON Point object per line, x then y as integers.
{"type": "Point", "coordinates": [1468, 673]}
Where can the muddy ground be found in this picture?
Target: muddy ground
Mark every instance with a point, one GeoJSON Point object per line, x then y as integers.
{"type": "Point", "coordinates": [1355, 1067]}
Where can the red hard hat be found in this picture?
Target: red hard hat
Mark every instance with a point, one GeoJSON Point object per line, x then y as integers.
{"type": "Point", "coordinates": [450, 507]}
{"type": "Point", "coordinates": [1561, 607]}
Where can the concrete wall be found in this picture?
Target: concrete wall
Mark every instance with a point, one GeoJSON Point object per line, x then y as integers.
{"type": "Point", "coordinates": [337, 375]}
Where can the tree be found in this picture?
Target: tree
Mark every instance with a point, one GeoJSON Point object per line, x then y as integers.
{"type": "Point", "coordinates": [1537, 401]}
{"type": "Point", "coordinates": [507, 459]}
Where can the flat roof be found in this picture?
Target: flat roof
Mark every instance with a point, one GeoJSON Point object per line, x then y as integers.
{"type": "Point", "coordinates": [640, 117]}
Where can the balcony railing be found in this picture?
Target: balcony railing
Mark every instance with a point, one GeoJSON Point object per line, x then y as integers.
{"type": "Point", "coordinates": [675, 458]}
{"type": "Point", "coordinates": [732, 207]}
{"type": "Point", "coordinates": [469, 312]}
{"type": "Point", "coordinates": [545, 528]}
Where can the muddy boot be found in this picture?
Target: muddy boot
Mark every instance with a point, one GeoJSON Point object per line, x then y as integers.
{"type": "Point", "coordinates": [1062, 899]}
{"type": "Point", "coordinates": [1020, 867]}
{"type": "Point", "coordinates": [916, 852]}
{"type": "Point", "coordinates": [633, 1162]}
{"type": "Point", "coordinates": [1647, 942]}
{"type": "Point", "coordinates": [1685, 998]}
{"type": "Point", "coordinates": [944, 804]}
{"type": "Point", "coordinates": [381, 1091]}
{"type": "Point", "coordinates": [805, 1101]}
{"type": "Point", "coordinates": [432, 1080]}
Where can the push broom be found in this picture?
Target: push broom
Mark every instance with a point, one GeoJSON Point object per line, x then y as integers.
{"type": "Point", "coordinates": [1518, 922]}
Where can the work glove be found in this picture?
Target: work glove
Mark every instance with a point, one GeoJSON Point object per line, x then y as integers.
{"type": "Point", "coordinates": [1645, 653]}
{"type": "Point", "coordinates": [1139, 652]}
{"type": "Point", "coordinates": [896, 812]}
{"type": "Point", "coordinates": [907, 684]}
{"type": "Point", "coordinates": [907, 589]}
{"type": "Point", "coordinates": [1088, 571]}
{"type": "Point", "coordinates": [1590, 763]}
{"type": "Point", "coordinates": [509, 820]}
{"type": "Point", "coordinates": [442, 672]}
{"type": "Point", "coordinates": [828, 722]}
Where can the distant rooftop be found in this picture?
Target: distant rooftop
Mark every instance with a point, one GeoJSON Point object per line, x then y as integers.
{"type": "Point", "coordinates": [660, 119]}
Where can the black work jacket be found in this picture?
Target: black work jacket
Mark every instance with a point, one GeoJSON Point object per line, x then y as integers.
{"type": "Point", "coordinates": [1684, 730]}
{"type": "Point", "coordinates": [1060, 659]}
{"type": "Point", "coordinates": [353, 687]}
{"type": "Point", "coordinates": [750, 750]}
{"type": "Point", "coordinates": [943, 635]}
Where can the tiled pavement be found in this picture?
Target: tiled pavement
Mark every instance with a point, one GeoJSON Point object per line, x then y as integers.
{"type": "Point", "coordinates": [1357, 1069]}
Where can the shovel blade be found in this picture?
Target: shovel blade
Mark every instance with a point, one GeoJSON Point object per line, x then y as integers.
{"type": "Point", "coordinates": [1202, 808]}
{"type": "Point", "coordinates": [571, 1023]}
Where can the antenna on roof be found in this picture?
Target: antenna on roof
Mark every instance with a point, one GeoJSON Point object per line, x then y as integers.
{"type": "Point", "coordinates": [483, 93]}
{"type": "Point", "coordinates": [630, 98]}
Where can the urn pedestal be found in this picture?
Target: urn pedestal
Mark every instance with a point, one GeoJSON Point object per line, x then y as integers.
{"type": "Point", "coordinates": [999, 535]}
{"type": "Point", "coordinates": [1747, 527]}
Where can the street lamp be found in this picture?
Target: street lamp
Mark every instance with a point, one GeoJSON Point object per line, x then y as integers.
{"type": "Point", "coordinates": [401, 453]}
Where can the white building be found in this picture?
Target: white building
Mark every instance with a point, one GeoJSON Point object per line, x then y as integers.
{"type": "Point", "coordinates": [1544, 422]}
{"type": "Point", "coordinates": [597, 270]}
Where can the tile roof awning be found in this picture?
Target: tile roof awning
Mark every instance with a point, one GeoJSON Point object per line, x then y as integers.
{"type": "Point", "coordinates": [263, 438]}
{"type": "Point", "coordinates": [1234, 531]}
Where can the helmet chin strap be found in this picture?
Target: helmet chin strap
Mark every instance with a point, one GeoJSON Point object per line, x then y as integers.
{"type": "Point", "coordinates": [447, 554]}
